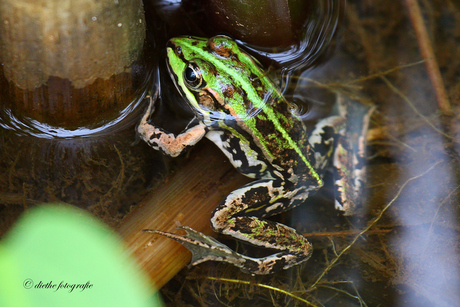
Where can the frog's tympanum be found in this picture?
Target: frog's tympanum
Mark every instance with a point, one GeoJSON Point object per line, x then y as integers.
{"type": "Point", "coordinates": [237, 107]}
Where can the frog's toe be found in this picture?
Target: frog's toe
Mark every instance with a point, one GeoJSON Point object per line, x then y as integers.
{"type": "Point", "coordinates": [203, 247]}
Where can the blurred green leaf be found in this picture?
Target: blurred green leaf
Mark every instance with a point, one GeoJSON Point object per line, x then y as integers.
{"type": "Point", "coordinates": [58, 255]}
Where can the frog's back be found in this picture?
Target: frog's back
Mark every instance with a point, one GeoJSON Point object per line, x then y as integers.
{"type": "Point", "coordinates": [251, 122]}
{"type": "Point", "coordinates": [271, 138]}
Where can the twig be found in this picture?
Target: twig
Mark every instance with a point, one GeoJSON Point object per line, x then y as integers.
{"type": "Point", "coordinates": [386, 72]}
{"type": "Point", "coordinates": [370, 224]}
{"type": "Point", "coordinates": [343, 233]}
{"type": "Point", "coordinates": [245, 282]}
{"type": "Point", "coordinates": [428, 53]}
{"type": "Point", "coordinates": [404, 97]}
{"type": "Point", "coordinates": [357, 297]}
{"type": "Point", "coordinates": [430, 230]}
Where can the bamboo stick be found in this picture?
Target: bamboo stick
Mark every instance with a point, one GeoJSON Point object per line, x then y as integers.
{"type": "Point", "coordinates": [188, 197]}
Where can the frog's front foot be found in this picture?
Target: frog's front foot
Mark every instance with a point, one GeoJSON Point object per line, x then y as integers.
{"type": "Point", "coordinates": [205, 248]}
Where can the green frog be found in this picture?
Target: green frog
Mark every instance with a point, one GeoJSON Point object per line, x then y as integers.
{"type": "Point", "coordinates": [240, 109]}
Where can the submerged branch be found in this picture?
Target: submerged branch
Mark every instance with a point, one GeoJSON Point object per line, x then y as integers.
{"type": "Point", "coordinates": [426, 49]}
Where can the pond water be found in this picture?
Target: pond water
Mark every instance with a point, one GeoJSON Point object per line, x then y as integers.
{"type": "Point", "coordinates": [399, 249]}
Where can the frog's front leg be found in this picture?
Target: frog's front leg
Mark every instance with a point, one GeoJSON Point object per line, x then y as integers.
{"type": "Point", "coordinates": [170, 144]}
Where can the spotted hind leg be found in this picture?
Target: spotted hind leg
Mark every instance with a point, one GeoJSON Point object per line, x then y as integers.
{"type": "Point", "coordinates": [239, 216]}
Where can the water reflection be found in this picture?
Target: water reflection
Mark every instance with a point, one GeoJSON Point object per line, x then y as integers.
{"type": "Point", "coordinates": [426, 246]}
{"type": "Point", "coordinates": [316, 39]}
{"type": "Point", "coordinates": [27, 126]}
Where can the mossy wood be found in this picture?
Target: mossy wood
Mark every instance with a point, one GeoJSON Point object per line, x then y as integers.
{"type": "Point", "coordinates": [67, 63]}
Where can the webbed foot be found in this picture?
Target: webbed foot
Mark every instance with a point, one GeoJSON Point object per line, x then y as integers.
{"type": "Point", "coordinates": [205, 248]}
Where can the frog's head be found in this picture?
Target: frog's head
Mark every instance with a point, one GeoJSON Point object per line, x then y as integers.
{"type": "Point", "coordinates": [215, 76]}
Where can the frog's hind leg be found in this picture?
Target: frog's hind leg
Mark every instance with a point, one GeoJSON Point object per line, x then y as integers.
{"type": "Point", "coordinates": [323, 140]}
{"type": "Point", "coordinates": [349, 160]}
{"type": "Point", "coordinates": [239, 216]}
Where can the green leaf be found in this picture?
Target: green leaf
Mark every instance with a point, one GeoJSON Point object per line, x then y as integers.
{"type": "Point", "coordinates": [57, 255]}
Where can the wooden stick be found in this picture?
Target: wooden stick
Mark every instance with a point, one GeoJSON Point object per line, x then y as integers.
{"type": "Point", "coordinates": [188, 197]}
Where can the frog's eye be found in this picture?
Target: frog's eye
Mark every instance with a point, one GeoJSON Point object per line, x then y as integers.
{"type": "Point", "coordinates": [193, 77]}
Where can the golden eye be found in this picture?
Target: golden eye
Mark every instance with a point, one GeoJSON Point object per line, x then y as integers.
{"type": "Point", "coordinates": [193, 77]}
